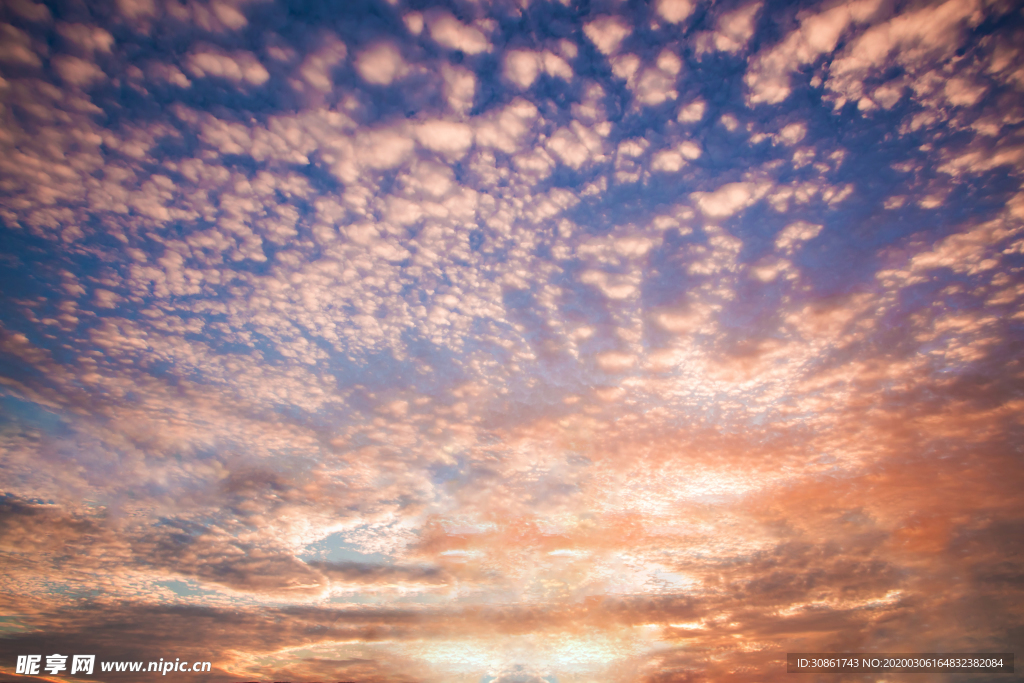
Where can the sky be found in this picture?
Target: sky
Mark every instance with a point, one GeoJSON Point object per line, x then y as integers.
{"type": "Point", "coordinates": [525, 341]}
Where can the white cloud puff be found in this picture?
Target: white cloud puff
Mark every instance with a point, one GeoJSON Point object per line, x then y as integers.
{"type": "Point", "coordinates": [671, 160]}
{"type": "Point", "coordinates": [413, 22]}
{"type": "Point", "coordinates": [316, 68]}
{"type": "Point", "coordinates": [239, 66]}
{"type": "Point", "coordinates": [136, 9]}
{"type": "Point", "coordinates": [795, 233]}
{"type": "Point", "coordinates": [607, 33]}
{"type": "Point", "coordinates": [769, 269]}
{"type": "Point", "coordinates": [32, 11]}
{"type": "Point", "coordinates": [615, 361]}
{"type": "Point", "coordinates": [667, 160]}
{"type": "Point", "coordinates": [88, 38]}
{"type": "Point", "coordinates": [447, 137]}
{"type": "Point", "coordinates": [674, 11]}
{"type": "Point", "coordinates": [380, 64]}
{"type": "Point", "coordinates": [448, 31]}
{"type": "Point", "coordinates": [653, 85]}
{"type": "Point", "coordinates": [167, 73]}
{"type": "Point", "coordinates": [729, 199]}
{"type": "Point", "coordinates": [508, 128]}
{"type": "Point", "coordinates": [692, 112]}
{"type": "Point", "coordinates": [959, 92]}
{"type": "Point", "coordinates": [16, 47]}
{"type": "Point", "coordinates": [459, 87]}
{"type": "Point", "coordinates": [733, 30]}
{"type": "Point", "coordinates": [613, 287]}
{"type": "Point", "coordinates": [77, 71]}
{"type": "Point", "coordinates": [522, 67]}
{"type": "Point", "coordinates": [791, 134]}
{"type": "Point", "coordinates": [769, 72]}
{"type": "Point", "coordinates": [575, 144]}
{"type": "Point", "coordinates": [913, 39]}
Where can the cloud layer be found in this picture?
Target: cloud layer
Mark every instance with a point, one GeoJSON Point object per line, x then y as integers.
{"type": "Point", "coordinates": [511, 342]}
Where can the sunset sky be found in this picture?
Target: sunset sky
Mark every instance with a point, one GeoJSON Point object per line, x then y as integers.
{"type": "Point", "coordinates": [526, 341]}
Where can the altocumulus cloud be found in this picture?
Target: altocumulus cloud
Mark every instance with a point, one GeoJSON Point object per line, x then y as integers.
{"type": "Point", "coordinates": [517, 342]}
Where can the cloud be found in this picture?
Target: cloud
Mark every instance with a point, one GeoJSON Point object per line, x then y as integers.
{"type": "Point", "coordinates": [379, 149]}
{"type": "Point", "coordinates": [77, 71]}
{"type": "Point", "coordinates": [105, 298]}
{"type": "Point", "coordinates": [523, 66]}
{"type": "Point", "coordinates": [88, 38]}
{"type": "Point", "coordinates": [31, 11]}
{"type": "Point", "coordinates": [316, 68]}
{"type": "Point", "coordinates": [914, 37]}
{"type": "Point", "coordinates": [575, 145]}
{"type": "Point", "coordinates": [653, 85]}
{"type": "Point", "coordinates": [611, 286]}
{"type": "Point", "coordinates": [794, 233]}
{"type": "Point", "coordinates": [448, 31]}
{"type": "Point", "coordinates": [791, 133]}
{"type": "Point", "coordinates": [614, 361]}
{"type": "Point", "coordinates": [672, 160]}
{"type": "Point", "coordinates": [380, 64]}
{"type": "Point", "coordinates": [729, 198]}
{"type": "Point", "coordinates": [167, 73]}
{"type": "Point", "coordinates": [447, 137]}
{"type": "Point", "coordinates": [459, 86]}
{"type": "Point", "coordinates": [768, 74]}
{"type": "Point", "coordinates": [674, 11]}
{"type": "Point", "coordinates": [17, 47]}
{"type": "Point", "coordinates": [508, 128]}
{"type": "Point", "coordinates": [237, 67]}
{"type": "Point", "coordinates": [414, 22]}
{"type": "Point", "coordinates": [136, 9]}
{"type": "Point", "coordinates": [692, 112]}
{"type": "Point", "coordinates": [733, 30]}
{"type": "Point", "coordinates": [667, 160]}
{"type": "Point", "coordinates": [223, 17]}
{"type": "Point", "coordinates": [363, 573]}
{"type": "Point", "coordinates": [767, 270]}
{"type": "Point", "coordinates": [607, 33]}
{"type": "Point", "coordinates": [520, 366]}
